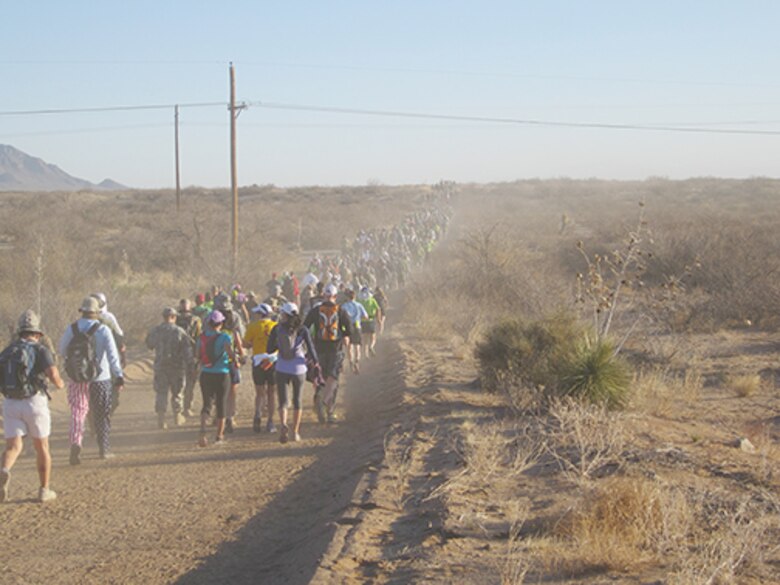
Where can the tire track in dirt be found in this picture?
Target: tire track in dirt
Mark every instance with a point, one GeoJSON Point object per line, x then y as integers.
{"type": "Point", "coordinates": [285, 542]}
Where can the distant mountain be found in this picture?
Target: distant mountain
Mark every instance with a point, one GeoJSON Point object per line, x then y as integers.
{"type": "Point", "coordinates": [22, 172]}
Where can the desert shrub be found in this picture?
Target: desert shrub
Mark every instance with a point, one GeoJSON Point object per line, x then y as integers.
{"type": "Point", "coordinates": [530, 353]}
{"type": "Point", "coordinates": [593, 372]}
{"type": "Point", "coordinates": [551, 357]}
{"type": "Point", "coordinates": [743, 385]}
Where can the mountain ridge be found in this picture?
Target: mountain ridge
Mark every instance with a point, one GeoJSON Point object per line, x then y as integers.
{"type": "Point", "coordinates": [20, 171]}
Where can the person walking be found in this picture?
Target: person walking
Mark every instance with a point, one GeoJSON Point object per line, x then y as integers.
{"type": "Point", "coordinates": [263, 369]}
{"type": "Point", "coordinates": [332, 332]}
{"type": "Point", "coordinates": [234, 327]}
{"type": "Point", "coordinates": [172, 355]}
{"type": "Point", "coordinates": [91, 359]}
{"type": "Point", "coordinates": [192, 325]}
{"type": "Point", "coordinates": [293, 342]}
{"type": "Point", "coordinates": [356, 313]}
{"type": "Point", "coordinates": [215, 351]}
{"type": "Point", "coordinates": [369, 324]}
{"type": "Point", "coordinates": [25, 365]}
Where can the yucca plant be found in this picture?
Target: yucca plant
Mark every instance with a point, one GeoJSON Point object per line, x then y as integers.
{"type": "Point", "coordinates": [596, 374]}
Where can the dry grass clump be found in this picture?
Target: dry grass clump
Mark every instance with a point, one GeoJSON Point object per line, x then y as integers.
{"type": "Point", "coordinates": [624, 522]}
{"type": "Point", "coordinates": [743, 385]}
{"type": "Point", "coordinates": [656, 390]}
{"type": "Point", "coordinates": [627, 522]}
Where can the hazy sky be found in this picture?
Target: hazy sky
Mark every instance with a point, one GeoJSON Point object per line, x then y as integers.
{"type": "Point", "coordinates": [696, 64]}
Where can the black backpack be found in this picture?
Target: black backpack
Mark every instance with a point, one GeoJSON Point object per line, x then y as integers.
{"type": "Point", "coordinates": [16, 365]}
{"type": "Point", "coordinates": [80, 359]}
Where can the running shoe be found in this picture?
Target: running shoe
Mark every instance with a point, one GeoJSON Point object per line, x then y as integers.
{"type": "Point", "coordinates": [203, 441]}
{"type": "Point", "coordinates": [46, 495]}
{"type": "Point", "coordinates": [5, 477]}
{"type": "Point", "coordinates": [332, 418]}
{"type": "Point", "coordinates": [180, 419]}
{"type": "Point", "coordinates": [219, 441]}
{"type": "Point", "coordinates": [283, 434]}
{"type": "Point", "coordinates": [107, 454]}
{"type": "Point", "coordinates": [270, 427]}
{"type": "Point", "coordinates": [297, 437]}
{"type": "Point", "coordinates": [229, 425]}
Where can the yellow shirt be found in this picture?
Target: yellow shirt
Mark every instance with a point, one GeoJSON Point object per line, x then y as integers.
{"type": "Point", "coordinates": [257, 335]}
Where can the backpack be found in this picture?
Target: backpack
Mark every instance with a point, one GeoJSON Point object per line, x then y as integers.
{"type": "Point", "coordinates": [81, 363]}
{"type": "Point", "coordinates": [328, 329]}
{"type": "Point", "coordinates": [16, 365]}
{"type": "Point", "coordinates": [207, 345]}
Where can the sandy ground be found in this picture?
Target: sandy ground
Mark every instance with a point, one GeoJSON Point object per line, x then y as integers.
{"type": "Point", "coordinates": [167, 511]}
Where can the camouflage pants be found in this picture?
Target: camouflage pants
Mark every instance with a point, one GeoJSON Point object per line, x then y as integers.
{"type": "Point", "coordinates": [190, 379]}
{"type": "Point", "coordinates": [165, 381]}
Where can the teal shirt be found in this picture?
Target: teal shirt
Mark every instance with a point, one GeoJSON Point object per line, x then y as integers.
{"type": "Point", "coordinates": [221, 346]}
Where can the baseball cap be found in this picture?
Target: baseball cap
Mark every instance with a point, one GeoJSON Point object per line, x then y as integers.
{"type": "Point", "coordinates": [169, 312]}
{"type": "Point", "coordinates": [263, 309]}
{"type": "Point", "coordinates": [289, 309]}
{"type": "Point", "coordinates": [331, 290]}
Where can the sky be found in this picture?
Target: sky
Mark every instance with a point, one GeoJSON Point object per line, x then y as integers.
{"type": "Point", "coordinates": [559, 74]}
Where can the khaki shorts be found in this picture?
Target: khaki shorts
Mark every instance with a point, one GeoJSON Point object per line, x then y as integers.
{"type": "Point", "coordinates": [29, 416]}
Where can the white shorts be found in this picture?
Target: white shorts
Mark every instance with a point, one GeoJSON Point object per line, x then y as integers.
{"type": "Point", "coordinates": [28, 416]}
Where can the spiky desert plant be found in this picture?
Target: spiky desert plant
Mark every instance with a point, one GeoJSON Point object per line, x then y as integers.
{"type": "Point", "coordinates": [596, 374]}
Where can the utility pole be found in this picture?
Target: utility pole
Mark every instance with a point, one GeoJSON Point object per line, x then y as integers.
{"type": "Point", "coordinates": [176, 141]}
{"type": "Point", "coordinates": [234, 112]}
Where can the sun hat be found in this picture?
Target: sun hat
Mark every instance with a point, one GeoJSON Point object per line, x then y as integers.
{"type": "Point", "coordinates": [289, 309]}
{"type": "Point", "coordinates": [101, 297]}
{"type": "Point", "coordinates": [331, 290]}
{"type": "Point", "coordinates": [216, 317]}
{"type": "Point", "coordinates": [90, 305]}
{"type": "Point", "coordinates": [29, 322]}
{"type": "Point", "coordinates": [262, 309]}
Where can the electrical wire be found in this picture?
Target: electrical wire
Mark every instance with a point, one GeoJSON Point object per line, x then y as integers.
{"type": "Point", "coordinates": [518, 121]}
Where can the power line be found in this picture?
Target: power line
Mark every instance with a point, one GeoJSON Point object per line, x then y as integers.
{"type": "Point", "coordinates": [110, 109]}
{"type": "Point", "coordinates": [685, 128]}
{"type": "Point", "coordinates": [498, 120]}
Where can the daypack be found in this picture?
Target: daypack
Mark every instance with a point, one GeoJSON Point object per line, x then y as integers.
{"type": "Point", "coordinates": [80, 358]}
{"type": "Point", "coordinates": [207, 346]}
{"type": "Point", "coordinates": [16, 365]}
{"type": "Point", "coordinates": [328, 329]}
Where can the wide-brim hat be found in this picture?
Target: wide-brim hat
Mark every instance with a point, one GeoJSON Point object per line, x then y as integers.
{"type": "Point", "coordinates": [29, 322]}
{"type": "Point", "coordinates": [90, 305]}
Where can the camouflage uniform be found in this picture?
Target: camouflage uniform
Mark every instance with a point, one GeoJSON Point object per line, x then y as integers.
{"type": "Point", "coordinates": [173, 352]}
{"type": "Point", "coordinates": [191, 324]}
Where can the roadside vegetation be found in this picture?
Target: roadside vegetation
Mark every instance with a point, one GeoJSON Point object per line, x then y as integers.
{"type": "Point", "coordinates": [617, 326]}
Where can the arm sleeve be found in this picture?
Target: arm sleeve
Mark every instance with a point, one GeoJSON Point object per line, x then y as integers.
{"type": "Point", "coordinates": [309, 345]}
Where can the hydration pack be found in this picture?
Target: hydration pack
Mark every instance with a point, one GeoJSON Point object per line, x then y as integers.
{"type": "Point", "coordinates": [80, 358]}
{"type": "Point", "coordinates": [328, 329]}
{"type": "Point", "coordinates": [16, 365]}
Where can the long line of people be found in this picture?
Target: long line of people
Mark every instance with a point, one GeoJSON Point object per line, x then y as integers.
{"type": "Point", "coordinates": [301, 331]}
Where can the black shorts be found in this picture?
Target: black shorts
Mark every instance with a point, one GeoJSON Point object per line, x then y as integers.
{"type": "Point", "coordinates": [368, 327]}
{"type": "Point", "coordinates": [262, 377]}
{"type": "Point", "coordinates": [331, 362]}
{"type": "Point", "coordinates": [355, 338]}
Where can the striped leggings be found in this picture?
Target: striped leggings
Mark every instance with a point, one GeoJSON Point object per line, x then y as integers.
{"type": "Point", "coordinates": [94, 396]}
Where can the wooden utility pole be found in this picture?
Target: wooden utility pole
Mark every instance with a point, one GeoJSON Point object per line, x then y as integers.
{"type": "Point", "coordinates": [233, 169]}
{"type": "Point", "coordinates": [176, 141]}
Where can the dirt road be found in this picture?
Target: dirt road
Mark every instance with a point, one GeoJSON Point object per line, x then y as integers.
{"type": "Point", "coordinates": [166, 511]}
